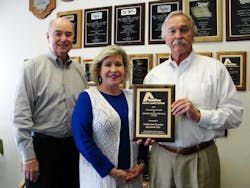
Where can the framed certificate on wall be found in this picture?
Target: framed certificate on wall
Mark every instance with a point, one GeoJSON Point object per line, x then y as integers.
{"type": "Point", "coordinates": [141, 64]}
{"type": "Point", "coordinates": [161, 57]}
{"type": "Point", "coordinates": [87, 63]}
{"type": "Point", "coordinates": [129, 24]}
{"type": "Point", "coordinates": [235, 63]}
{"type": "Point", "coordinates": [207, 15]}
{"type": "Point", "coordinates": [97, 27]}
{"type": "Point", "coordinates": [237, 20]}
{"type": "Point", "coordinates": [76, 59]}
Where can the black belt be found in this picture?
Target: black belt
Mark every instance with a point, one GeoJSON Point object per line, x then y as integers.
{"type": "Point", "coordinates": [188, 150]}
{"type": "Point", "coordinates": [52, 138]}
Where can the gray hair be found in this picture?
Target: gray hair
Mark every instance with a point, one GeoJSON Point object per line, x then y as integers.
{"type": "Point", "coordinates": [176, 13]}
{"type": "Point", "coordinates": [61, 19]}
{"type": "Point", "coordinates": [105, 53]}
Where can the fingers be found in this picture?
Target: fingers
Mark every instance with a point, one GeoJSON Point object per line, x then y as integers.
{"type": "Point", "coordinates": [135, 172]}
{"type": "Point", "coordinates": [31, 170]}
{"type": "Point", "coordinates": [147, 142]}
{"type": "Point", "coordinates": [185, 107]}
{"type": "Point", "coordinates": [139, 141]}
{"type": "Point", "coordinates": [180, 107]}
{"type": "Point", "coordinates": [124, 176]}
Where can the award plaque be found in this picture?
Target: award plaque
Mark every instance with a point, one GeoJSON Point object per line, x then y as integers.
{"type": "Point", "coordinates": [97, 27]}
{"type": "Point", "coordinates": [235, 62]}
{"type": "Point", "coordinates": [87, 64]}
{"type": "Point", "coordinates": [152, 112]}
{"type": "Point", "coordinates": [208, 54]}
{"type": "Point", "coordinates": [237, 20]}
{"type": "Point", "coordinates": [207, 15]}
{"type": "Point", "coordinates": [42, 8]}
{"type": "Point", "coordinates": [158, 11]}
{"type": "Point", "coordinates": [76, 59]}
{"type": "Point", "coordinates": [129, 24]}
{"type": "Point", "coordinates": [161, 57]}
{"type": "Point", "coordinates": [141, 64]}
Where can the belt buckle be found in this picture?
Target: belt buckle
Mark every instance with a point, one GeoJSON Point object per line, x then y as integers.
{"type": "Point", "coordinates": [179, 150]}
{"type": "Point", "coordinates": [198, 147]}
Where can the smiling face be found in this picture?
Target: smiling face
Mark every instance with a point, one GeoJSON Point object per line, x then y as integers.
{"type": "Point", "coordinates": [179, 35]}
{"type": "Point", "coordinates": [60, 37]}
{"type": "Point", "coordinates": [112, 71]}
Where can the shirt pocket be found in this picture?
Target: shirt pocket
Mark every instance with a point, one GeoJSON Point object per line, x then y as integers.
{"type": "Point", "coordinates": [201, 93]}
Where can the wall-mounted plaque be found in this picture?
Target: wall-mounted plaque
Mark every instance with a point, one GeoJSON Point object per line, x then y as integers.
{"type": "Point", "coordinates": [76, 59]}
{"type": "Point", "coordinates": [237, 20]}
{"type": "Point", "coordinates": [158, 11]}
{"type": "Point", "coordinates": [87, 63]}
{"type": "Point", "coordinates": [235, 63]}
{"type": "Point", "coordinates": [207, 15]}
{"type": "Point", "coordinates": [161, 57]}
{"type": "Point", "coordinates": [153, 117]}
{"type": "Point", "coordinates": [74, 16]}
{"type": "Point", "coordinates": [141, 64]}
{"type": "Point", "coordinates": [97, 27]}
{"type": "Point", "coordinates": [129, 24]}
{"type": "Point", "coordinates": [208, 54]}
{"type": "Point", "coordinates": [41, 8]}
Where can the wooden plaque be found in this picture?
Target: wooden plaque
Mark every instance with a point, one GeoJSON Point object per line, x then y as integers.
{"type": "Point", "coordinates": [41, 8]}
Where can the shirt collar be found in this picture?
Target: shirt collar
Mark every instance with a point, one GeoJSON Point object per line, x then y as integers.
{"type": "Point", "coordinates": [185, 64]}
{"type": "Point", "coordinates": [58, 61]}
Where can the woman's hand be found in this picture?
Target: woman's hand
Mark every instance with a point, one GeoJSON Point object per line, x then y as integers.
{"type": "Point", "coordinates": [136, 171]}
{"type": "Point", "coordinates": [121, 175]}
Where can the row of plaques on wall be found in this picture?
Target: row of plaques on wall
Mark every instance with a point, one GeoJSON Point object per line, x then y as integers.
{"type": "Point", "coordinates": [129, 22]}
{"type": "Point", "coordinates": [141, 64]}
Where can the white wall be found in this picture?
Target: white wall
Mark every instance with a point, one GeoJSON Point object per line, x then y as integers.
{"type": "Point", "coordinates": [23, 36]}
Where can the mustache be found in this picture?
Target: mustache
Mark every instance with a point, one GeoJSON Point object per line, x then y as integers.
{"type": "Point", "coordinates": [179, 42]}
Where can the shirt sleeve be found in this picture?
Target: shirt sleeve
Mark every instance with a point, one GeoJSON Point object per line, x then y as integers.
{"type": "Point", "coordinates": [229, 111]}
{"type": "Point", "coordinates": [24, 103]}
{"type": "Point", "coordinates": [82, 131]}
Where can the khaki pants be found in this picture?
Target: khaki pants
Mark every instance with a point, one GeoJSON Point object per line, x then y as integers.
{"type": "Point", "coordinates": [197, 170]}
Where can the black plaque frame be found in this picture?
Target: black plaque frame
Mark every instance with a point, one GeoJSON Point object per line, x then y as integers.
{"type": "Point", "coordinates": [152, 112]}
{"type": "Point", "coordinates": [129, 24]}
{"type": "Point", "coordinates": [141, 64]}
{"type": "Point", "coordinates": [158, 11]}
{"type": "Point", "coordinates": [237, 20]}
{"type": "Point", "coordinates": [74, 16]}
{"type": "Point", "coordinates": [207, 15]}
{"type": "Point", "coordinates": [97, 27]}
{"type": "Point", "coordinates": [235, 63]}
